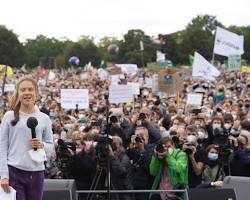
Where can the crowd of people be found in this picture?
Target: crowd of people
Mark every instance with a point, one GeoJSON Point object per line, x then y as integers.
{"type": "Point", "coordinates": [156, 141]}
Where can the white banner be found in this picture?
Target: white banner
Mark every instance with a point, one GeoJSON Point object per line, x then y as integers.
{"type": "Point", "coordinates": [202, 68]}
{"type": "Point", "coordinates": [71, 97]}
{"type": "Point", "coordinates": [129, 69]}
{"type": "Point", "coordinates": [9, 87]}
{"type": "Point", "coordinates": [120, 93]}
{"type": "Point", "coordinates": [135, 88]}
{"type": "Point", "coordinates": [227, 43]}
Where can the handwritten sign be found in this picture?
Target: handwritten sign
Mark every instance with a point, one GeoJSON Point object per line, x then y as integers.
{"type": "Point", "coordinates": [71, 97]}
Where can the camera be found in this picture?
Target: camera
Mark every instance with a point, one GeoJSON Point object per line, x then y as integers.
{"type": "Point", "coordinates": [160, 148]}
{"type": "Point", "coordinates": [63, 158]}
{"type": "Point", "coordinates": [142, 116]}
{"type": "Point", "coordinates": [113, 119]}
{"type": "Point", "coordinates": [101, 148]}
{"type": "Point", "coordinates": [189, 149]}
{"type": "Point", "coordinates": [196, 111]}
{"type": "Point", "coordinates": [139, 139]}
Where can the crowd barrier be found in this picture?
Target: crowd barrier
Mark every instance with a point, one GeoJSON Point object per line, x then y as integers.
{"type": "Point", "coordinates": [235, 188]}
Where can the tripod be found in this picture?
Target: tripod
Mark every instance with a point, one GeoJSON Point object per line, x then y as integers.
{"type": "Point", "coordinates": [100, 182]}
{"type": "Point", "coordinates": [103, 170]}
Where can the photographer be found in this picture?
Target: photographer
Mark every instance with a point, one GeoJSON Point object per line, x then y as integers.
{"type": "Point", "coordinates": [217, 133]}
{"type": "Point", "coordinates": [169, 166]}
{"type": "Point", "coordinates": [196, 157]}
{"type": "Point", "coordinates": [240, 162]}
{"type": "Point", "coordinates": [83, 164]}
{"type": "Point", "coordinates": [121, 169]}
{"type": "Point", "coordinates": [144, 119]}
{"type": "Point", "coordinates": [119, 125]}
{"type": "Point", "coordinates": [140, 153]}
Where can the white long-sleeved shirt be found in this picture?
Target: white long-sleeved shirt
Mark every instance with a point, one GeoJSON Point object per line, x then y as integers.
{"type": "Point", "coordinates": [15, 141]}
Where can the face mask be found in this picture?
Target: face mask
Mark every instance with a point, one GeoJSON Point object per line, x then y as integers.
{"type": "Point", "coordinates": [170, 150]}
{"type": "Point", "coordinates": [201, 135]}
{"type": "Point", "coordinates": [213, 156]}
{"type": "Point", "coordinates": [145, 93]}
{"type": "Point", "coordinates": [216, 126]}
{"type": "Point", "coordinates": [228, 126]}
{"type": "Point", "coordinates": [180, 111]}
{"type": "Point", "coordinates": [68, 126]}
{"type": "Point", "coordinates": [191, 139]}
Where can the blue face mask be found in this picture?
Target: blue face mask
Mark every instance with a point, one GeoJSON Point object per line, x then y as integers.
{"type": "Point", "coordinates": [216, 126]}
{"type": "Point", "coordinates": [213, 156]}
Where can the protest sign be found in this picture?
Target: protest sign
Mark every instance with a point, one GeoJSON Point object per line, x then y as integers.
{"type": "Point", "coordinates": [245, 69]}
{"type": "Point", "coordinates": [115, 70]}
{"type": "Point", "coordinates": [135, 88]}
{"type": "Point", "coordinates": [71, 97]}
{"type": "Point", "coordinates": [194, 99]}
{"type": "Point", "coordinates": [120, 93]}
{"type": "Point", "coordinates": [9, 87]}
{"type": "Point", "coordinates": [234, 62]}
{"type": "Point", "coordinates": [170, 81]}
{"type": "Point", "coordinates": [129, 69]}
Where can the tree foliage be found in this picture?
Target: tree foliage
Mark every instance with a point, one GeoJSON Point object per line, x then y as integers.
{"type": "Point", "coordinates": [11, 50]}
{"type": "Point", "coordinates": [197, 36]}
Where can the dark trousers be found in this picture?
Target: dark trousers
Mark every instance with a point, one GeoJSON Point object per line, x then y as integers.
{"type": "Point", "coordinates": [28, 185]}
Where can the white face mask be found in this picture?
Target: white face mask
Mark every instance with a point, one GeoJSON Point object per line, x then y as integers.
{"type": "Point", "coordinates": [228, 126]}
{"type": "Point", "coordinates": [170, 150]}
{"type": "Point", "coordinates": [201, 135]}
{"type": "Point", "coordinates": [191, 139]}
{"type": "Point", "coordinates": [68, 126]}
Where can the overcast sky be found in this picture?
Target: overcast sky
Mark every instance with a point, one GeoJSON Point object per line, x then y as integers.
{"type": "Point", "coordinates": [98, 18]}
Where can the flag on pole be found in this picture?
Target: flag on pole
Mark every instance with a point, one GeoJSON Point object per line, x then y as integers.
{"type": "Point", "coordinates": [202, 68]}
{"type": "Point", "coordinates": [227, 43]}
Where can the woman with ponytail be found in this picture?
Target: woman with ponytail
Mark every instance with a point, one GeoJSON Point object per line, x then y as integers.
{"type": "Point", "coordinates": [18, 168]}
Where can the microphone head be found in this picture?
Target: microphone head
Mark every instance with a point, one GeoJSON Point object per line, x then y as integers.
{"type": "Point", "coordinates": [32, 122]}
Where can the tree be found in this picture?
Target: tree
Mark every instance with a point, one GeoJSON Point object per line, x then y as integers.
{"type": "Point", "coordinates": [42, 47]}
{"type": "Point", "coordinates": [170, 47]}
{"type": "Point", "coordinates": [85, 50]}
{"type": "Point", "coordinates": [11, 50]}
{"type": "Point", "coordinates": [198, 36]}
{"type": "Point", "coordinates": [130, 48]}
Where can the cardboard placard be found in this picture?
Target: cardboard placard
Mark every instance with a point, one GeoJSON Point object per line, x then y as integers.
{"type": "Point", "coordinates": [170, 82]}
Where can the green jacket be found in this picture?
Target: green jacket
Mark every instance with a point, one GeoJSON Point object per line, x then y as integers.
{"type": "Point", "coordinates": [176, 166]}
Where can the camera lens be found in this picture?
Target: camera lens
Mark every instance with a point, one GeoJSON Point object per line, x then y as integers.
{"type": "Point", "coordinates": [142, 116]}
{"type": "Point", "coordinates": [113, 119]}
{"type": "Point", "coordinates": [139, 139]}
{"type": "Point", "coordinates": [160, 148]}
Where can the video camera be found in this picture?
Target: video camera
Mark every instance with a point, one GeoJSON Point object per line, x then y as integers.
{"type": "Point", "coordinates": [63, 157]}
{"type": "Point", "coordinates": [101, 147]}
{"type": "Point", "coordinates": [224, 146]}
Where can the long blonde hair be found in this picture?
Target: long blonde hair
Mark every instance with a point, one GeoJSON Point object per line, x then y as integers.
{"type": "Point", "coordinates": [15, 103]}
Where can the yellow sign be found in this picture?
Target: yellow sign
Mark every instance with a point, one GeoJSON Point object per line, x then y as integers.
{"type": "Point", "coordinates": [245, 69]}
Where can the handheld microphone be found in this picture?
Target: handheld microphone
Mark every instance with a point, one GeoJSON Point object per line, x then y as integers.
{"type": "Point", "coordinates": [32, 123]}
